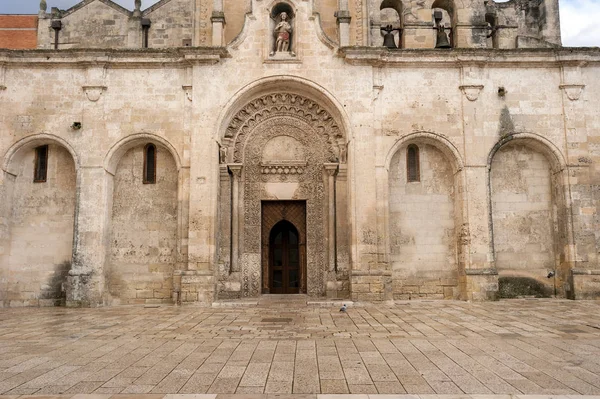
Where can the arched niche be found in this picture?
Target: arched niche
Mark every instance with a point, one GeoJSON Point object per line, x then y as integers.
{"type": "Point", "coordinates": [146, 225]}
{"type": "Point", "coordinates": [449, 18]}
{"type": "Point", "coordinates": [283, 30]}
{"type": "Point", "coordinates": [425, 218]}
{"type": "Point", "coordinates": [391, 13]}
{"type": "Point", "coordinates": [37, 221]}
{"type": "Point", "coordinates": [529, 216]}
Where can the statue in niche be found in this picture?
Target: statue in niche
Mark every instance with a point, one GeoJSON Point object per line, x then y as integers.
{"type": "Point", "coordinates": [283, 35]}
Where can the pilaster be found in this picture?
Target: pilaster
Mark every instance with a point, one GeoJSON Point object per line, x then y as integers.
{"type": "Point", "coordinates": [85, 283]}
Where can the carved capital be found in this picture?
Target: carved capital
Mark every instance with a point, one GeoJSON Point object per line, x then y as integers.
{"type": "Point", "coordinates": [573, 92]}
{"type": "Point", "coordinates": [218, 16]}
{"type": "Point", "coordinates": [331, 168]}
{"type": "Point", "coordinates": [471, 91]}
{"type": "Point", "coordinates": [235, 169]}
{"type": "Point", "coordinates": [188, 90]}
{"type": "Point", "coordinates": [94, 93]}
{"type": "Point", "coordinates": [343, 16]}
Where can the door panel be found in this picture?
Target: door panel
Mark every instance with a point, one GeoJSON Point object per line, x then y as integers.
{"type": "Point", "coordinates": [284, 247]}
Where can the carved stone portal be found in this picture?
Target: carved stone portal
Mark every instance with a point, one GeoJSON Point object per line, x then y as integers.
{"type": "Point", "coordinates": [282, 142]}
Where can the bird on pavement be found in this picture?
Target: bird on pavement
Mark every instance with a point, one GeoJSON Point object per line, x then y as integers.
{"type": "Point", "coordinates": [343, 308]}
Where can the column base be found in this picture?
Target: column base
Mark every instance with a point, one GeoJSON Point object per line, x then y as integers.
{"type": "Point", "coordinates": [84, 290]}
{"type": "Point", "coordinates": [338, 286]}
{"type": "Point", "coordinates": [371, 286]}
{"type": "Point", "coordinates": [194, 287]}
{"type": "Point", "coordinates": [481, 284]}
{"type": "Point", "coordinates": [585, 284]}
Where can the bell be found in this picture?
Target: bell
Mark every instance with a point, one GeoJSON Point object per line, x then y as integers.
{"type": "Point", "coordinates": [389, 41]}
{"type": "Point", "coordinates": [388, 38]}
{"type": "Point", "coordinates": [442, 38]}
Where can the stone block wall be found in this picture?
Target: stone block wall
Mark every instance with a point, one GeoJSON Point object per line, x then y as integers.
{"type": "Point", "coordinates": [523, 214]}
{"type": "Point", "coordinates": [172, 24]}
{"type": "Point", "coordinates": [422, 227]}
{"type": "Point", "coordinates": [143, 236]}
{"type": "Point", "coordinates": [38, 255]}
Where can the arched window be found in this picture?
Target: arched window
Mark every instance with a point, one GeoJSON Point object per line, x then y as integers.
{"type": "Point", "coordinates": [150, 164]}
{"type": "Point", "coordinates": [40, 173]}
{"type": "Point", "coordinates": [413, 172]}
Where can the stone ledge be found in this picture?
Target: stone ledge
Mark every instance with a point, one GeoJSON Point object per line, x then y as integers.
{"type": "Point", "coordinates": [182, 56]}
{"type": "Point", "coordinates": [583, 272]}
{"type": "Point", "coordinates": [296, 396]}
{"type": "Point", "coordinates": [481, 272]}
{"type": "Point", "coordinates": [432, 58]}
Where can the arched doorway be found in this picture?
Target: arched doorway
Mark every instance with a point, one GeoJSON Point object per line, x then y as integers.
{"type": "Point", "coordinates": [285, 259]}
{"type": "Point", "coordinates": [284, 150]}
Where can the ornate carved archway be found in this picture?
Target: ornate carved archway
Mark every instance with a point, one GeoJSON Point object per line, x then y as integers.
{"type": "Point", "coordinates": [283, 147]}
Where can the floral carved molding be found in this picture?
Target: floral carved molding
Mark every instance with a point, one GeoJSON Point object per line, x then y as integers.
{"type": "Point", "coordinates": [284, 104]}
{"type": "Point", "coordinates": [283, 168]}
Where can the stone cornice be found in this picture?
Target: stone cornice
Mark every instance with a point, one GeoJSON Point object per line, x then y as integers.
{"type": "Point", "coordinates": [431, 58]}
{"type": "Point", "coordinates": [127, 58]}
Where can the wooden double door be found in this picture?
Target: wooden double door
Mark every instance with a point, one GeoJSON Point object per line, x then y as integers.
{"type": "Point", "coordinates": [284, 247]}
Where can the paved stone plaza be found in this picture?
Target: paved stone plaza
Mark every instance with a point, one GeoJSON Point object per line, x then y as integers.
{"type": "Point", "coordinates": [284, 345]}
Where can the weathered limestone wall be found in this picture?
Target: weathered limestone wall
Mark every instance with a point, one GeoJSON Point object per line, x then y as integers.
{"type": "Point", "coordinates": [467, 104]}
{"type": "Point", "coordinates": [522, 214]}
{"type": "Point", "coordinates": [175, 23]}
{"type": "Point", "coordinates": [422, 229]}
{"type": "Point", "coordinates": [41, 232]}
{"type": "Point", "coordinates": [235, 13]}
{"type": "Point", "coordinates": [143, 238]}
{"type": "Point", "coordinates": [326, 10]}
{"type": "Point", "coordinates": [172, 24]}
{"type": "Point", "coordinates": [96, 25]}
{"type": "Point", "coordinates": [521, 23]}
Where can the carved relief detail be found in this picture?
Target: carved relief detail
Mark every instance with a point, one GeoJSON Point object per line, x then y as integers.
{"type": "Point", "coordinates": [283, 104]}
{"type": "Point", "coordinates": [310, 186]}
{"type": "Point", "coordinates": [359, 22]}
{"type": "Point", "coordinates": [188, 92]}
{"type": "Point", "coordinates": [283, 168]}
{"type": "Point", "coordinates": [471, 91]}
{"type": "Point", "coordinates": [94, 93]}
{"type": "Point", "coordinates": [573, 92]}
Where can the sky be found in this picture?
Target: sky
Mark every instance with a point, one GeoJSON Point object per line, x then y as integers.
{"type": "Point", "coordinates": [578, 18]}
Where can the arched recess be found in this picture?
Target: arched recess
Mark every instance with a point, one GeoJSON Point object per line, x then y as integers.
{"type": "Point", "coordinates": [37, 222]}
{"type": "Point", "coordinates": [424, 219]}
{"type": "Point", "coordinates": [146, 223]}
{"type": "Point", "coordinates": [391, 13]}
{"type": "Point", "coordinates": [449, 18]}
{"type": "Point", "coordinates": [299, 113]}
{"type": "Point", "coordinates": [529, 218]}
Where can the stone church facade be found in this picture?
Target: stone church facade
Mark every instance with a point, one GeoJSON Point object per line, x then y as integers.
{"type": "Point", "coordinates": [202, 150]}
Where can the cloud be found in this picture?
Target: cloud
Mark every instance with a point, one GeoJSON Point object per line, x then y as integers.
{"type": "Point", "coordinates": [579, 22]}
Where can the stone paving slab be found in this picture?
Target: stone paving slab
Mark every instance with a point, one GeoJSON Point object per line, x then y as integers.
{"type": "Point", "coordinates": [294, 396]}
{"type": "Point", "coordinates": [280, 346]}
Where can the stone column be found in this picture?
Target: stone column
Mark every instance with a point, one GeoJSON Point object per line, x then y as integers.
{"type": "Point", "coordinates": [6, 189]}
{"type": "Point", "coordinates": [579, 268]}
{"type": "Point", "coordinates": [331, 170]}
{"type": "Point", "coordinates": [343, 20]}
{"type": "Point", "coordinates": [85, 283]}
{"type": "Point", "coordinates": [218, 23]}
{"type": "Point", "coordinates": [236, 171]}
{"type": "Point", "coordinates": [478, 277]}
